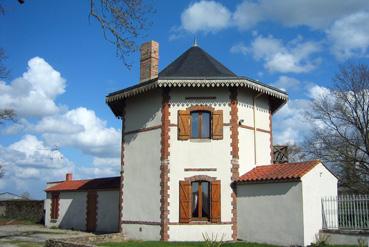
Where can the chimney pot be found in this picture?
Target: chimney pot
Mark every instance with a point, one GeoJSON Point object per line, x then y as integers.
{"type": "Point", "coordinates": [149, 60]}
{"type": "Point", "coordinates": [68, 177]}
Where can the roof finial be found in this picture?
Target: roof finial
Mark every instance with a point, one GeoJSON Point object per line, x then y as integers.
{"type": "Point", "coordinates": [195, 41]}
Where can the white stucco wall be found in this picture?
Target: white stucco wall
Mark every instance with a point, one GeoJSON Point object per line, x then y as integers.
{"type": "Point", "coordinates": [141, 190]}
{"type": "Point", "coordinates": [142, 232]}
{"type": "Point", "coordinates": [195, 232]}
{"type": "Point", "coordinates": [72, 211]}
{"type": "Point", "coordinates": [246, 146]}
{"type": "Point", "coordinates": [143, 110]}
{"type": "Point", "coordinates": [247, 157]}
{"type": "Point", "coordinates": [270, 213]}
{"type": "Point", "coordinates": [107, 211]}
{"type": "Point", "coordinates": [199, 154]}
{"type": "Point", "coordinates": [318, 183]}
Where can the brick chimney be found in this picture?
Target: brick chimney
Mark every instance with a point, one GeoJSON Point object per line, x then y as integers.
{"type": "Point", "coordinates": [68, 177]}
{"type": "Point", "coordinates": [149, 60]}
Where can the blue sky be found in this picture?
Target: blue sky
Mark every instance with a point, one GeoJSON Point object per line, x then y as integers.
{"type": "Point", "coordinates": [62, 69]}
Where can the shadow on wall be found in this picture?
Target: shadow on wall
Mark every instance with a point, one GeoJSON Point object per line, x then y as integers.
{"type": "Point", "coordinates": [75, 213]}
{"type": "Point", "coordinates": [142, 118]}
{"type": "Point", "coordinates": [266, 189]}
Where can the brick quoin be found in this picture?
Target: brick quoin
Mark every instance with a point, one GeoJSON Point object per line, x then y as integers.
{"type": "Point", "coordinates": [120, 222]}
{"type": "Point", "coordinates": [234, 155]}
{"type": "Point", "coordinates": [164, 168]}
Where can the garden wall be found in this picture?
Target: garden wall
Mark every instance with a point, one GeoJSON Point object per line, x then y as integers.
{"type": "Point", "coordinates": [32, 210]}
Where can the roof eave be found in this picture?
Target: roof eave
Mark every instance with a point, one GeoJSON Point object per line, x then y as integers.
{"type": "Point", "coordinates": [268, 181]}
{"type": "Point", "coordinates": [115, 100]}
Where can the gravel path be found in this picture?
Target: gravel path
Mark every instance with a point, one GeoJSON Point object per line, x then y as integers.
{"type": "Point", "coordinates": [32, 235]}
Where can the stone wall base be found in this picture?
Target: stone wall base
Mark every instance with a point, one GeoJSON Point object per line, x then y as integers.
{"type": "Point", "coordinates": [88, 241]}
{"type": "Point", "coordinates": [345, 237]}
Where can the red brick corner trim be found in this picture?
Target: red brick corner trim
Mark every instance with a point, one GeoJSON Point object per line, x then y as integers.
{"type": "Point", "coordinates": [120, 221]}
{"type": "Point", "coordinates": [91, 195]}
{"type": "Point", "coordinates": [55, 198]}
{"type": "Point", "coordinates": [164, 167]}
{"type": "Point", "coordinates": [234, 155]}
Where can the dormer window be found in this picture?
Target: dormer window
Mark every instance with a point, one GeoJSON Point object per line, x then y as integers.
{"type": "Point", "coordinates": [200, 125]}
{"type": "Point", "coordinates": [200, 122]}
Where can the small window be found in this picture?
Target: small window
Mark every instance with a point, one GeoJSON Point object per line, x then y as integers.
{"type": "Point", "coordinates": [200, 125]}
{"type": "Point", "coordinates": [200, 207]}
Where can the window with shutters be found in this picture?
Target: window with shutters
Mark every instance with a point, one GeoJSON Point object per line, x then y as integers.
{"type": "Point", "coordinates": [200, 122]}
{"type": "Point", "coordinates": [54, 206]}
{"type": "Point", "coordinates": [199, 201]}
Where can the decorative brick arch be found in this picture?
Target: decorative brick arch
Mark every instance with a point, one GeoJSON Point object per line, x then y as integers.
{"type": "Point", "coordinates": [200, 108]}
{"type": "Point", "coordinates": [200, 178]}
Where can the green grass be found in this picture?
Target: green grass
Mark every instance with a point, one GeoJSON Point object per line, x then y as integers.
{"type": "Point", "coordinates": [6, 220]}
{"type": "Point", "coordinates": [188, 244]}
{"type": "Point", "coordinates": [176, 244]}
{"type": "Point", "coordinates": [20, 243]}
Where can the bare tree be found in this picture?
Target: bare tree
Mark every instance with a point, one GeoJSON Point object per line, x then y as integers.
{"type": "Point", "coordinates": [6, 114]}
{"type": "Point", "coordinates": [122, 22]}
{"type": "Point", "coordinates": [341, 136]}
{"type": "Point", "coordinates": [4, 72]}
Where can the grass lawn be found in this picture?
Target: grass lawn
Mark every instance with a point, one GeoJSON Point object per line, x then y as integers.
{"type": "Point", "coordinates": [189, 244]}
{"type": "Point", "coordinates": [20, 243]}
{"type": "Point", "coordinates": [177, 244]}
{"type": "Point", "coordinates": [11, 221]}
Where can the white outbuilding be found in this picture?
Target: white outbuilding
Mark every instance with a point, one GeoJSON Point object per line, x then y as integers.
{"type": "Point", "coordinates": [88, 205]}
{"type": "Point", "coordinates": [281, 203]}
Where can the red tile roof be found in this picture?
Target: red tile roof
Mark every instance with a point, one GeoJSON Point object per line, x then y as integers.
{"type": "Point", "coordinates": [275, 172]}
{"type": "Point", "coordinates": [90, 184]}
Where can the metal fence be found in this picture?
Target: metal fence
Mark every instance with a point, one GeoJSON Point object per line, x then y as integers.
{"type": "Point", "coordinates": [346, 212]}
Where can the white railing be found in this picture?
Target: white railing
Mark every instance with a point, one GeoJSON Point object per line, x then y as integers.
{"type": "Point", "coordinates": [346, 212]}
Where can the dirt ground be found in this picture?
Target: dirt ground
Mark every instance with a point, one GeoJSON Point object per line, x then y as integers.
{"type": "Point", "coordinates": [31, 235]}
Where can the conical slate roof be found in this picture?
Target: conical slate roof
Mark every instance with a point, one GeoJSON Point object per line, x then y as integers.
{"type": "Point", "coordinates": [195, 63]}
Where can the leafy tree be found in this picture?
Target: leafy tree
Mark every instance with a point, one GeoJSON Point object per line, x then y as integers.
{"type": "Point", "coordinates": [341, 135]}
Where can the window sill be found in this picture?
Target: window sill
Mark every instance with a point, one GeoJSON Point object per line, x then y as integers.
{"type": "Point", "coordinates": [200, 140]}
{"type": "Point", "coordinates": [200, 223]}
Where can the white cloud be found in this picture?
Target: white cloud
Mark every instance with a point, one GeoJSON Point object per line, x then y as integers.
{"type": "Point", "coordinates": [33, 94]}
{"type": "Point", "coordinates": [286, 83]}
{"type": "Point", "coordinates": [294, 57]}
{"type": "Point", "coordinates": [102, 167]}
{"type": "Point", "coordinates": [29, 163]}
{"type": "Point", "coordinates": [32, 161]}
{"type": "Point", "coordinates": [239, 48]}
{"type": "Point", "coordinates": [206, 16]}
{"type": "Point", "coordinates": [315, 14]}
{"type": "Point", "coordinates": [290, 123]}
{"type": "Point", "coordinates": [82, 129]}
{"type": "Point", "coordinates": [350, 36]}
{"type": "Point", "coordinates": [316, 92]}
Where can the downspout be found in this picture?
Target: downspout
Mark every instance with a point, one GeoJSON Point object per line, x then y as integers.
{"type": "Point", "coordinates": [254, 117]}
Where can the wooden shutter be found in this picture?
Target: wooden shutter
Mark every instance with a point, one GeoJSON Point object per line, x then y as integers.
{"type": "Point", "coordinates": [183, 125]}
{"type": "Point", "coordinates": [215, 202]}
{"type": "Point", "coordinates": [54, 206]}
{"type": "Point", "coordinates": [184, 201]}
{"type": "Point", "coordinates": [217, 125]}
